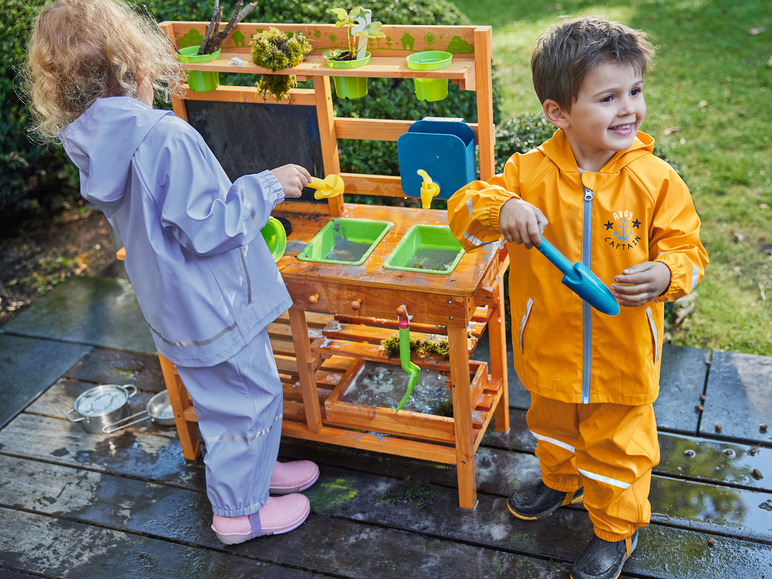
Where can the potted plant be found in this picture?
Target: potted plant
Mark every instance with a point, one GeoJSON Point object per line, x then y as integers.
{"type": "Point", "coordinates": [210, 48]}
{"type": "Point", "coordinates": [359, 27]}
{"type": "Point", "coordinates": [276, 50]}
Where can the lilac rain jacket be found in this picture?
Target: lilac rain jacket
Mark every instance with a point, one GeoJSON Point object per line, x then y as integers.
{"type": "Point", "coordinates": [202, 273]}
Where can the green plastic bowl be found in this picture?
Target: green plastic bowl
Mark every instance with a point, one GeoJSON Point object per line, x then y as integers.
{"type": "Point", "coordinates": [345, 241]}
{"type": "Point", "coordinates": [426, 249]}
{"type": "Point", "coordinates": [275, 237]}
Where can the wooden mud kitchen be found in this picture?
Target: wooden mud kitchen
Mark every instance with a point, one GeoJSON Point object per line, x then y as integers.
{"type": "Point", "coordinates": [342, 310]}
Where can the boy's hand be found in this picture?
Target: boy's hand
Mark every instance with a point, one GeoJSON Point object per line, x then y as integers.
{"type": "Point", "coordinates": [642, 283]}
{"type": "Point", "coordinates": [521, 222]}
{"type": "Point", "coordinates": [292, 178]}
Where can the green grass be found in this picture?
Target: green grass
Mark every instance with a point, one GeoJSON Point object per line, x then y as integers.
{"type": "Point", "coordinates": [709, 100]}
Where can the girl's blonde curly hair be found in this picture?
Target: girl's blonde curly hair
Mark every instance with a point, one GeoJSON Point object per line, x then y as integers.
{"type": "Point", "coordinates": [81, 50]}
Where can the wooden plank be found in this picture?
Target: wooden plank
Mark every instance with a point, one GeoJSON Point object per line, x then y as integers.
{"type": "Point", "coordinates": [663, 550]}
{"type": "Point", "coordinates": [398, 39]}
{"type": "Point", "coordinates": [127, 453]}
{"type": "Point", "coordinates": [250, 95]}
{"type": "Point", "coordinates": [105, 366]}
{"type": "Point", "coordinates": [476, 327]}
{"type": "Point", "coordinates": [54, 547]}
{"type": "Point", "coordinates": [326, 347]}
{"type": "Point", "coordinates": [372, 442]}
{"type": "Point", "coordinates": [706, 508]}
{"type": "Point", "coordinates": [60, 398]}
{"type": "Point", "coordinates": [363, 332]}
{"type": "Point", "coordinates": [725, 463]}
{"type": "Point", "coordinates": [738, 398]}
{"type": "Point", "coordinates": [102, 534]}
{"type": "Point", "coordinates": [385, 129]}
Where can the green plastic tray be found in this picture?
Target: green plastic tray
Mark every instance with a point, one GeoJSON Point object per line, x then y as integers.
{"type": "Point", "coordinates": [426, 249]}
{"type": "Point", "coordinates": [345, 241]}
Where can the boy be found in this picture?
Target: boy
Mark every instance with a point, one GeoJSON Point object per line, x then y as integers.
{"type": "Point", "coordinates": [628, 216]}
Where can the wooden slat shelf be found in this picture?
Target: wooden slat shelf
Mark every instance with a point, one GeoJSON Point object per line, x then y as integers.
{"type": "Point", "coordinates": [460, 69]}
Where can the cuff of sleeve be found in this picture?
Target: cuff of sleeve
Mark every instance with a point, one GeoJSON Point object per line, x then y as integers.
{"type": "Point", "coordinates": [676, 288]}
{"type": "Point", "coordinates": [277, 191]}
{"type": "Point", "coordinates": [495, 209]}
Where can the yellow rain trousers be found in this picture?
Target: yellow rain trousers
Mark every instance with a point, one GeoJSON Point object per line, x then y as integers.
{"type": "Point", "coordinates": [576, 448]}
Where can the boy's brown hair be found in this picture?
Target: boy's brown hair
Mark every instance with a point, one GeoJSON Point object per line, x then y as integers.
{"type": "Point", "coordinates": [569, 51]}
{"type": "Point", "coordinates": [81, 50]}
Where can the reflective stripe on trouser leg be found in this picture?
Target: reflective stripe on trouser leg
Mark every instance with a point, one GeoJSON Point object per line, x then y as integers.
{"type": "Point", "coordinates": [556, 440]}
{"type": "Point", "coordinates": [615, 454]}
{"type": "Point", "coordinates": [239, 408]}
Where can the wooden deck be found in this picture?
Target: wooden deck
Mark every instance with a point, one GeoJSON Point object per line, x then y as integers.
{"type": "Point", "coordinates": [74, 504]}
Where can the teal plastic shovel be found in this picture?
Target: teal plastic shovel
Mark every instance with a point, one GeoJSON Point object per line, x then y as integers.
{"type": "Point", "coordinates": [580, 280]}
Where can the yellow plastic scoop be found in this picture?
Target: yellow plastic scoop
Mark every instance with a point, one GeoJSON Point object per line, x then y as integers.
{"type": "Point", "coordinates": [429, 189]}
{"type": "Point", "coordinates": [331, 186]}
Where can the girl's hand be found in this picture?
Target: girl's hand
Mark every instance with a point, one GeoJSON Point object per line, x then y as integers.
{"type": "Point", "coordinates": [521, 222]}
{"type": "Point", "coordinates": [292, 179]}
{"type": "Point", "coordinates": [642, 283]}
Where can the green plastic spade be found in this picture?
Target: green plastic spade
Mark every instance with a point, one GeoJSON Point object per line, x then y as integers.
{"type": "Point", "coordinates": [404, 357]}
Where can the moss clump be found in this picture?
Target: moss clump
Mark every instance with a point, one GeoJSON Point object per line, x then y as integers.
{"type": "Point", "coordinates": [276, 50]}
{"type": "Point", "coordinates": [436, 346]}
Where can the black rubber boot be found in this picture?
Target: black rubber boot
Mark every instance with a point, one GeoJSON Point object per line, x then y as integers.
{"type": "Point", "coordinates": [537, 501]}
{"type": "Point", "coordinates": [604, 559]}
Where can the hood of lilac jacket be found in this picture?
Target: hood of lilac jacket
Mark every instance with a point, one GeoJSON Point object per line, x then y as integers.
{"type": "Point", "coordinates": [634, 209]}
{"type": "Point", "coordinates": [203, 276]}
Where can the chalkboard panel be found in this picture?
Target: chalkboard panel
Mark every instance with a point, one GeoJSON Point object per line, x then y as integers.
{"type": "Point", "coordinates": [251, 137]}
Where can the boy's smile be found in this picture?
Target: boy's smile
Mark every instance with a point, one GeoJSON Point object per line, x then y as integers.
{"type": "Point", "coordinates": [606, 115]}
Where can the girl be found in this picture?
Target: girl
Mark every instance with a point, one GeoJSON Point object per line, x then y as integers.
{"type": "Point", "coordinates": [203, 276]}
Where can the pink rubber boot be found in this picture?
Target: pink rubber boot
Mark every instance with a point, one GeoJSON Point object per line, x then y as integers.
{"type": "Point", "coordinates": [293, 477]}
{"type": "Point", "coordinates": [278, 515]}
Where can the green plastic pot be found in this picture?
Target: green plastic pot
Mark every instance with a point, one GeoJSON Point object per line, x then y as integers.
{"type": "Point", "coordinates": [275, 237]}
{"type": "Point", "coordinates": [430, 89]}
{"type": "Point", "coordinates": [349, 87]}
{"type": "Point", "coordinates": [200, 81]}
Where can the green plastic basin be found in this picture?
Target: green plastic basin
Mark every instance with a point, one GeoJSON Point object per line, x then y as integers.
{"type": "Point", "coordinates": [345, 241]}
{"type": "Point", "coordinates": [426, 249]}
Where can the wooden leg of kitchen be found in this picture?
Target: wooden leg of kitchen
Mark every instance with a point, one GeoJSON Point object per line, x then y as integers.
{"type": "Point", "coordinates": [497, 340]}
{"type": "Point", "coordinates": [306, 368]}
{"type": "Point", "coordinates": [187, 427]}
{"type": "Point", "coordinates": [462, 417]}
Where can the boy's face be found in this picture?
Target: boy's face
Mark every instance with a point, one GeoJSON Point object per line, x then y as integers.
{"type": "Point", "coordinates": [606, 115]}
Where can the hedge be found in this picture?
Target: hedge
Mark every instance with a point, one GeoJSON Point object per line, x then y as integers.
{"type": "Point", "coordinates": [36, 180]}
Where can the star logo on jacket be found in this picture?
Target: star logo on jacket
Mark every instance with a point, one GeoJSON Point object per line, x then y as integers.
{"type": "Point", "coordinates": [621, 233]}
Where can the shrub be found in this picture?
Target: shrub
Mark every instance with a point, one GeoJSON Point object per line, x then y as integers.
{"type": "Point", "coordinates": [33, 179]}
{"type": "Point", "coordinates": [37, 180]}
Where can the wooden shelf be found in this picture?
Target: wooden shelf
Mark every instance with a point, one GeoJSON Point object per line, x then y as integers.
{"type": "Point", "coordinates": [461, 70]}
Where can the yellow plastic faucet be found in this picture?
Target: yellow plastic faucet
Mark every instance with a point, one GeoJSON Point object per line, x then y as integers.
{"type": "Point", "coordinates": [429, 189]}
{"type": "Point", "coordinates": [330, 187]}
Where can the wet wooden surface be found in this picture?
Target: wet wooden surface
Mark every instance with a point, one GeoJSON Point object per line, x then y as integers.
{"type": "Point", "coordinates": [74, 504]}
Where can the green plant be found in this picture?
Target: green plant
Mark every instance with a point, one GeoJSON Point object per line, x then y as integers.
{"type": "Point", "coordinates": [276, 50]}
{"type": "Point", "coordinates": [359, 28]}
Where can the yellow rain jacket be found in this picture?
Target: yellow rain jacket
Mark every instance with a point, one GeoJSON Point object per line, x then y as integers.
{"type": "Point", "coordinates": [635, 209]}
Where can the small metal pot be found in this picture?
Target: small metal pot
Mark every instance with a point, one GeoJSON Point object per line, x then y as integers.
{"type": "Point", "coordinates": [99, 407]}
{"type": "Point", "coordinates": [159, 410]}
